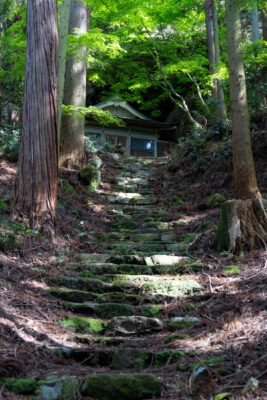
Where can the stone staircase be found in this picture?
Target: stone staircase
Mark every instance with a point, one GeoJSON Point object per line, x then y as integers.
{"type": "Point", "coordinates": [116, 302]}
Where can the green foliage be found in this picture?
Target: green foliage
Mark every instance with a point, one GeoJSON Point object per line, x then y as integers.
{"type": "Point", "coordinates": [10, 142]}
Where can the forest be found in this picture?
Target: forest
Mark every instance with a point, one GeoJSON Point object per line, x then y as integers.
{"type": "Point", "coordinates": [133, 199]}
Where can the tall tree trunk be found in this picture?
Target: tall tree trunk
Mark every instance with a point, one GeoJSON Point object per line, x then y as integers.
{"type": "Point", "coordinates": [72, 149]}
{"type": "Point", "coordinates": [36, 180]}
{"type": "Point", "coordinates": [264, 36]}
{"type": "Point", "coordinates": [214, 54]}
{"type": "Point", "coordinates": [63, 39]}
{"type": "Point", "coordinates": [244, 221]}
{"type": "Point", "coordinates": [255, 23]}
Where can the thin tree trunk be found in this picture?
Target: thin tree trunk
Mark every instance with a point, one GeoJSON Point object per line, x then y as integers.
{"type": "Point", "coordinates": [214, 54]}
{"type": "Point", "coordinates": [264, 73]}
{"type": "Point", "coordinates": [63, 39]}
{"type": "Point", "coordinates": [36, 181]}
{"type": "Point", "coordinates": [72, 149]}
{"type": "Point", "coordinates": [255, 23]}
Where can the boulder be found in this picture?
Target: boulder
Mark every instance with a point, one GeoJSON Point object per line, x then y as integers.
{"type": "Point", "coordinates": [91, 177]}
{"type": "Point", "coordinates": [95, 162]}
{"type": "Point", "coordinates": [133, 325]}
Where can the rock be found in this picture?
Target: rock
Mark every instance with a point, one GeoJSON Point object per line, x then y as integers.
{"type": "Point", "coordinates": [122, 387]}
{"type": "Point", "coordinates": [58, 388]}
{"type": "Point", "coordinates": [216, 200]}
{"type": "Point", "coordinates": [133, 325]}
{"type": "Point", "coordinates": [199, 376]}
{"type": "Point", "coordinates": [95, 162]}
{"type": "Point", "coordinates": [119, 297]}
{"type": "Point", "coordinates": [252, 386]}
{"type": "Point", "coordinates": [131, 358]}
{"type": "Point", "coordinates": [91, 177]}
{"type": "Point", "coordinates": [72, 295]}
{"type": "Point", "coordinates": [162, 259]}
{"type": "Point", "coordinates": [182, 322]}
{"type": "Point", "coordinates": [171, 287]}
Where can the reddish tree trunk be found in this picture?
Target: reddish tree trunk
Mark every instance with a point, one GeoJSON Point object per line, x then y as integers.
{"type": "Point", "coordinates": [36, 181]}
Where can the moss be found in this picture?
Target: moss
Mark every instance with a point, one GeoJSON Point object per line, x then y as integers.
{"type": "Point", "coordinates": [20, 386]}
{"type": "Point", "coordinates": [67, 186]}
{"type": "Point", "coordinates": [194, 366]}
{"type": "Point", "coordinates": [72, 295]}
{"type": "Point", "coordinates": [167, 356]}
{"type": "Point", "coordinates": [122, 387]}
{"type": "Point", "coordinates": [151, 311]}
{"type": "Point", "coordinates": [232, 270]}
{"type": "Point", "coordinates": [91, 177]}
{"type": "Point", "coordinates": [83, 325]}
{"type": "Point", "coordinates": [172, 338]}
{"type": "Point", "coordinates": [216, 200]}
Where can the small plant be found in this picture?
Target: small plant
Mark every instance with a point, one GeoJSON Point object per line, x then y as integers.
{"type": "Point", "coordinates": [10, 142]}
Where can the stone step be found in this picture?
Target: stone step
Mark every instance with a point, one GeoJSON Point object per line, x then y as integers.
{"type": "Point", "coordinates": [155, 259]}
{"type": "Point", "coordinates": [145, 249]}
{"type": "Point", "coordinates": [136, 199]}
{"type": "Point", "coordinates": [108, 386]}
{"type": "Point", "coordinates": [129, 284]}
{"type": "Point", "coordinates": [118, 326]}
{"type": "Point", "coordinates": [186, 265]}
{"type": "Point", "coordinates": [148, 237]}
{"type": "Point", "coordinates": [122, 359]}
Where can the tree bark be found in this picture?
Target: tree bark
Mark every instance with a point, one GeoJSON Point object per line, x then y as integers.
{"type": "Point", "coordinates": [63, 39]}
{"type": "Point", "coordinates": [243, 223]}
{"type": "Point", "coordinates": [214, 54]}
{"type": "Point", "coordinates": [72, 148]}
{"type": "Point", "coordinates": [36, 180]}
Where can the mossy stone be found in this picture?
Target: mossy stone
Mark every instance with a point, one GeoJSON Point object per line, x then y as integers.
{"type": "Point", "coordinates": [85, 284]}
{"type": "Point", "coordinates": [178, 287]}
{"type": "Point", "coordinates": [232, 270]}
{"type": "Point", "coordinates": [151, 311]}
{"type": "Point", "coordinates": [58, 388]}
{"type": "Point", "coordinates": [131, 358]}
{"type": "Point", "coordinates": [122, 387]}
{"type": "Point", "coordinates": [91, 177]}
{"type": "Point", "coordinates": [83, 325]}
{"type": "Point", "coordinates": [162, 357]}
{"type": "Point", "coordinates": [20, 386]}
{"type": "Point", "coordinates": [95, 162]}
{"type": "Point", "coordinates": [216, 200]}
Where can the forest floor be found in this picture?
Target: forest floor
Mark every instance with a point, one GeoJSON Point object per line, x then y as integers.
{"type": "Point", "coordinates": [216, 345]}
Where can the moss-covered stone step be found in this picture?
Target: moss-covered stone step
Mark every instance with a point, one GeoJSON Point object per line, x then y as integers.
{"type": "Point", "coordinates": [122, 359]}
{"type": "Point", "coordinates": [99, 387]}
{"type": "Point", "coordinates": [118, 326]}
{"type": "Point", "coordinates": [136, 199]}
{"type": "Point", "coordinates": [122, 387]}
{"type": "Point", "coordinates": [187, 265]}
{"type": "Point", "coordinates": [153, 260]}
{"type": "Point", "coordinates": [81, 296]}
{"type": "Point", "coordinates": [104, 310]}
{"type": "Point", "coordinates": [111, 310]}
